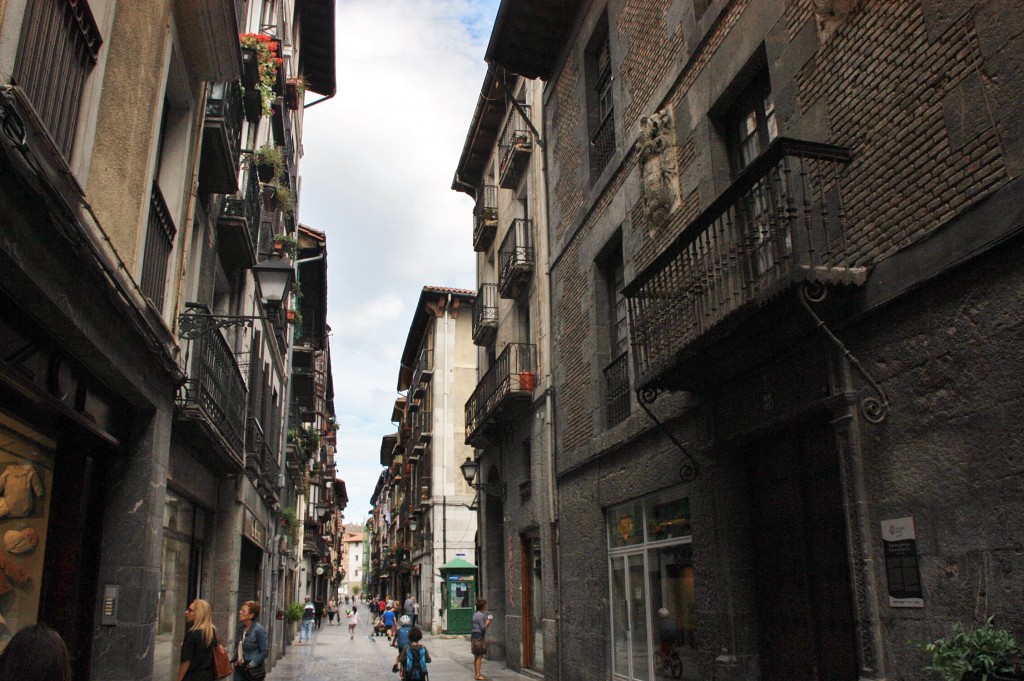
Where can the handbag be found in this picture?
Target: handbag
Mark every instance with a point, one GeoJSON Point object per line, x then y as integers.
{"type": "Point", "coordinates": [221, 664]}
{"type": "Point", "coordinates": [255, 673]}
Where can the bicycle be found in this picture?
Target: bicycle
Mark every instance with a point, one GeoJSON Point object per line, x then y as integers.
{"type": "Point", "coordinates": [670, 661]}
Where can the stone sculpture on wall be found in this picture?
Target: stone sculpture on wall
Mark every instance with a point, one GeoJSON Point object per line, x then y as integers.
{"type": "Point", "coordinates": [659, 172]}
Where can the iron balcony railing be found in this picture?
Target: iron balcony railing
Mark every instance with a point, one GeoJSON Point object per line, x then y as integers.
{"type": "Point", "coordinates": [222, 139]}
{"type": "Point", "coordinates": [503, 392]}
{"type": "Point", "coordinates": [240, 222]}
{"type": "Point", "coordinates": [485, 218]}
{"type": "Point", "coordinates": [160, 232]}
{"type": "Point", "coordinates": [215, 388]}
{"type": "Point", "coordinates": [616, 390]}
{"type": "Point", "coordinates": [515, 258]}
{"type": "Point", "coordinates": [423, 428]}
{"type": "Point", "coordinates": [485, 314]}
{"type": "Point", "coordinates": [514, 147]}
{"type": "Point", "coordinates": [781, 222]}
{"type": "Point", "coordinates": [425, 365]}
{"type": "Point", "coordinates": [57, 49]}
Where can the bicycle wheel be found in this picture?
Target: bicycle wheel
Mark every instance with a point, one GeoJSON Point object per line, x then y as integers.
{"type": "Point", "coordinates": [676, 666]}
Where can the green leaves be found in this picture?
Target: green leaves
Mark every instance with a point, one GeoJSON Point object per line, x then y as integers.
{"type": "Point", "coordinates": [972, 654]}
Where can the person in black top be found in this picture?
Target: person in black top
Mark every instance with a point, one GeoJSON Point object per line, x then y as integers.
{"type": "Point", "coordinates": [36, 653]}
{"type": "Point", "coordinates": [197, 648]}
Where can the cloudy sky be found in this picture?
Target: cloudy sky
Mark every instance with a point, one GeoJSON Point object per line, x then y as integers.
{"type": "Point", "coordinates": [376, 177]}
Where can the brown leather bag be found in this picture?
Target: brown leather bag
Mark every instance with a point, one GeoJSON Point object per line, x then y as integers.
{"type": "Point", "coordinates": [221, 664]}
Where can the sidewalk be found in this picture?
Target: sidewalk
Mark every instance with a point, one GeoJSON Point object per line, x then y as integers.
{"type": "Point", "coordinates": [332, 656]}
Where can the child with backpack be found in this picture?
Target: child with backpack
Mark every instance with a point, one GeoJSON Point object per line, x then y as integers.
{"type": "Point", "coordinates": [401, 639]}
{"type": "Point", "coordinates": [413, 659]}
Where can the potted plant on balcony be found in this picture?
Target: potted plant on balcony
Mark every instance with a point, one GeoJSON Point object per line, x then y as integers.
{"type": "Point", "coordinates": [268, 162]}
{"type": "Point", "coordinates": [294, 90]}
{"type": "Point", "coordinates": [285, 201]}
{"type": "Point", "coordinates": [286, 244]}
{"type": "Point", "coordinates": [268, 63]}
{"type": "Point", "coordinates": [527, 380]}
{"type": "Point", "coordinates": [985, 653]}
{"type": "Point", "coordinates": [294, 316]}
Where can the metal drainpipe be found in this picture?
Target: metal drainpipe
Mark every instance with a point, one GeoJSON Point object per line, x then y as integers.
{"type": "Point", "coordinates": [858, 497]}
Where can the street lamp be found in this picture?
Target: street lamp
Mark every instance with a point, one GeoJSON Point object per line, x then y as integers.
{"type": "Point", "coordinates": [321, 509]}
{"type": "Point", "coordinates": [413, 523]}
{"type": "Point", "coordinates": [273, 277]}
{"type": "Point", "coordinates": [470, 468]}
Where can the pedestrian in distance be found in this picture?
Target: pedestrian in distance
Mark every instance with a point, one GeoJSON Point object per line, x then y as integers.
{"type": "Point", "coordinates": [196, 658]}
{"type": "Point", "coordinates": [415, 611]}
{"type": "Point", "coordinates": [35, 653]}
{"type": "Point", "coordinates": [353, 620]}
{"type": "Point", "coordinates": [478, 636]}
{"type": "Point", "coordinates": [389, 623]}
{"type": "Point", "coordinates": [332, 610]}
{"type": "Point", "coordinates": [252, 644]}
{"type": "Point", "coordinates": [308, 613]}
{"type": "Point", "coordinates": [413, 658]}
{"type": "Point", "coordinates": [408, 608]}
{"type": "Point", "coordinates": [318, 613]}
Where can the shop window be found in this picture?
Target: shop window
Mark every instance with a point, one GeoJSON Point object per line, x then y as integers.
{"type": "Point", "coordinates": [652, 599]}
{"type": "Point", "coordinates": [180, 579]}
{"type": "Point", "coordinates": [26, 482]}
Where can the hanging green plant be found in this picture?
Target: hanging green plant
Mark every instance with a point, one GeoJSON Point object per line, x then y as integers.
{"type": "Point", "coordinates": [268, 60]}
{"type": "Point", "coordinates": [287, 244]}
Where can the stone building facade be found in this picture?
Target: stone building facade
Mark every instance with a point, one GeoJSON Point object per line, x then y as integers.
{"type": "Point", "coordinates": [509, 414]}
{"type": "Point", "coordinates": [144, 368]}
{"type": "Point", "coordinates": [422, 515]}
{"type": "Point", "coordinates": [793, 224]}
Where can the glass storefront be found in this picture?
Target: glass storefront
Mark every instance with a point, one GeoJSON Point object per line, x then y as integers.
{"type": "Point", "coordinates": [653, 607]}
{"type": "Point", "coordinates": [184, 529]}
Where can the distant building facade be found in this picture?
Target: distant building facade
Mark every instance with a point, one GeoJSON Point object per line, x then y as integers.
{"type": "Point", "coordinates": [509, 416]}
{"type": "Point", "coordinates": [422, 507]}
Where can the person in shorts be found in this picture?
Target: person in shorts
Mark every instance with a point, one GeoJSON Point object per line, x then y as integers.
{"type": "Point", "coordinates": [478, 636]}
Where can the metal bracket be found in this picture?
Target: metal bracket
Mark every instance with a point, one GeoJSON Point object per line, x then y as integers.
{"type": "Point", "coordinates": [494, 489]}
{"type": "Point", "coordinates": [875, 408]}
{"type": "Point", "coordinates": [646, 396]}
{"type": "Point", "coordinates": [193, 324]}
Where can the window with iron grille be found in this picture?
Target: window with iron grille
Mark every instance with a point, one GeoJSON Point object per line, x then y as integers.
{"type": "Point", "coordinates": [600, 105]}
{"type": "Point", "coordinates": [57, 50]}
{"type": "Point", "coordinates": [616, 372]}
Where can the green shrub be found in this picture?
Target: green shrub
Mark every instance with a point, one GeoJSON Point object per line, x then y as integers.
{"type": "Point", "coordinates": [972, 654]}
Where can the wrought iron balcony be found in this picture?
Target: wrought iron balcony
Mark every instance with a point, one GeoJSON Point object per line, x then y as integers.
{"type": "Point", "coordinates": [485, 218]}
{"type": "Point", "coordinates": [516, 259]}
{"type": "Point", "coordinates": [222, 139]}
{"type": "Point", "coordinates": [238, 225]}
{"type": "Point", "coordinates": [425, 366]}
{"type": "Point", "coordinates": [485, 315]}
{"type": "Point", "coordinates": [503, 393]}
{"type": "Point", "coordinates": [423, 427]}
{"type": "Point", "coordinates": [514, 148]}
{"type": "Point", "coordinates": [211, 404]}
{"type": "Point", "coordinates": [780, 224]}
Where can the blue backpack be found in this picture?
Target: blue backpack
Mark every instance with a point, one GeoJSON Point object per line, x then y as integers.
{"type": "Point", "coordinates": [402, 638]}
{"type": "Point", "coordinates": [415, 664]}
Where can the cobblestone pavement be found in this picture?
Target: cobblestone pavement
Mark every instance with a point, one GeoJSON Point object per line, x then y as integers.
{"type": "Point", "coordinates": [333, 656]}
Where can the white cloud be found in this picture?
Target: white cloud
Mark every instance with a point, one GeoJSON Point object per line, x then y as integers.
{"type": "Point", "coordinates": [376, 177]}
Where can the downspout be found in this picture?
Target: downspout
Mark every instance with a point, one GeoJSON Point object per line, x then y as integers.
{"type": "Point", "coordinates": [444, 453]}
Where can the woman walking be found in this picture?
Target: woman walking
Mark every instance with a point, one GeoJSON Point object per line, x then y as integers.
{"type": "Point", "coordinates": [478, 637]}
{"type": "Point", "coordinates": [197, 647]}
{"type": "Point", "coordinates": [353, 620]}
{"type": "Point", "coordinates": [251, 644]}
{"type": "Point", "coordinates": [332, 610]}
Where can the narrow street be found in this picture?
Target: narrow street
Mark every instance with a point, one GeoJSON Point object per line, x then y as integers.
{"type": "Point", "coordinates": [333, 656]}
